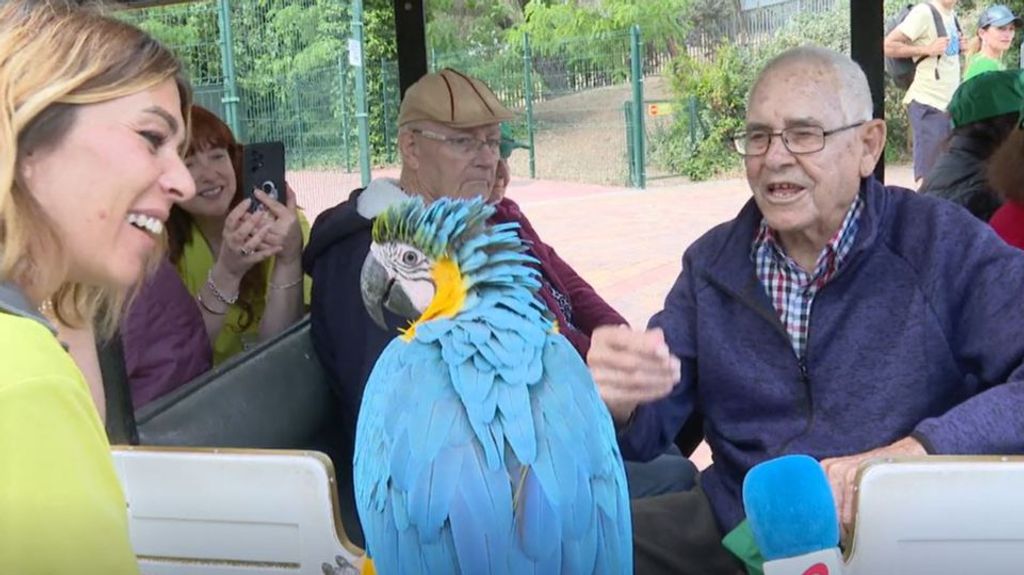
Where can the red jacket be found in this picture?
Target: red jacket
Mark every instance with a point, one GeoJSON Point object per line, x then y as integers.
{"type": "Point", "coordinates": [1008, 222]}
{"type": "Point", "coordinates": [587, 309]}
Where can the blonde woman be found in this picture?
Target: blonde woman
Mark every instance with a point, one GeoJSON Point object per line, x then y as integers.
{"type": "Point", "coordinates": [92, 122]}
{"type": "Point", "coordinates": [996, 28]}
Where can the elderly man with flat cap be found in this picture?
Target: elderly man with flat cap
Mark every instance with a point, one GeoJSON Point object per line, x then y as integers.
{"type": "Point", "coordinates": [449, 139]}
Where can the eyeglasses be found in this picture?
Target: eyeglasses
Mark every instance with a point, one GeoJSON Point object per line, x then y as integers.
{"type": "Point", "coordinates": [465, 145]}
{"type": "Point", "coordinates": [798, 139]}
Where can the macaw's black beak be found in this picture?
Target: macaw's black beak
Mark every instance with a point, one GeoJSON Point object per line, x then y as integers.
{"type": "Point", "coordinates": [374, 284]}
{"type": "Point", "coordinates": [381, 291]}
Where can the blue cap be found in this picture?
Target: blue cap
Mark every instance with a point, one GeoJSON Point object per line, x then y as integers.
{"type": "Point", "coordinates": [998, 15]}
{"type": "Point", "coordinates": [790, 507]}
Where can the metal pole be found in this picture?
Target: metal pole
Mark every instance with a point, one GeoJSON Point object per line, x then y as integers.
{"type": "Point", "coordinates": [384, 109]}
{"type": "Point", "coordinates": [344, 115]}
{"type": "Point", "coordinates": [300, 144]}
{"type": "Point", "coordinates": [528, 80]}
{"type": "Point", "coordinates": [691, 108]}
{"type": "Point", "coordinates": [227, 61]}
{"type": "Point", "coordinates": [410, 41]}
{"type": "Point", "coordinates": [355, 59]}
{"type": "Point", "coordinates": [636, 61]}
{"type": "Point", "coordinates": [627, 112]}
{"type": "Point", "coordinates": [867, 32]}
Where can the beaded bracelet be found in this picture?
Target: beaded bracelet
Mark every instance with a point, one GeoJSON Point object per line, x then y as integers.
{"type": "Point", "coordinates": [273, 285]}
{"type": "Point", "coordinates": [202, 304]}
{"type": "Point", "coordinates": [220, 295]}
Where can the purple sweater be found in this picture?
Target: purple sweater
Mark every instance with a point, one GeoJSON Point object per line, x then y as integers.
{"type": "Point", "coordinates": [165, 341]}
{"type": "Point", "coordinates": [920, 333]}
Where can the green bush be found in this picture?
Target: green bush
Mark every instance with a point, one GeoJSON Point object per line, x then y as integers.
{"type": "Point", "coordinates": [721, 83]}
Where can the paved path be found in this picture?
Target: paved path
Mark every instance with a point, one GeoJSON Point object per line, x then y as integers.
{"type": "Point", "coordinates": [627, 243]}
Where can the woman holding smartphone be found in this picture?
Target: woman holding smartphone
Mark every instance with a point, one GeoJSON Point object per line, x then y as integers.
{"type": "Point", "coordinates": [241, 262]}
{"type": "Point", "coordinates": [91, 130]}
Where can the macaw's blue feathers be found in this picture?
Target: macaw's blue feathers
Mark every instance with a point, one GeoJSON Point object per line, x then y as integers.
{"type": "Point", "coordinates": [482, 446]}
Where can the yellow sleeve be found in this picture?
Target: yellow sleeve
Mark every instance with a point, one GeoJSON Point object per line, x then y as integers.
{"type": "Point", "coordinates": [61, 505]}
{"type": "Point", "coordinates": [307, 282]}
{"type": "Point", "coordinates": [919, 25]}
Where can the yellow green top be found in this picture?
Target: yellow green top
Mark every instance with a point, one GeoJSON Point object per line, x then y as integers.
{"type": "Point", "coordinates": [194, 266]}
{"type": "Point", "coordinates": [61, 505]}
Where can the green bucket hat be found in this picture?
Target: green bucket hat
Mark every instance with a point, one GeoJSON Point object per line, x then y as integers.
{"type": "Point", "coordinates": [986, 96]}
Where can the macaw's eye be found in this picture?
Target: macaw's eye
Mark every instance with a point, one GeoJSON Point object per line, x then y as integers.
{"type": "Point", "coordinates": [410, 258]}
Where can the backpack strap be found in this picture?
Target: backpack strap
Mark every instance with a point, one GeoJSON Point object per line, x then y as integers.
{"type": "Point", "coordinates": [940, 26]}
{"type": "Point", "coordinates": [940, 31]}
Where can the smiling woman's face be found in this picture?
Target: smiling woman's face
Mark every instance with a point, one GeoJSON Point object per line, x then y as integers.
{"type": "Point", "coordinates": [214, 176]}
{"type": "Point", "coordinates": [109, 183]}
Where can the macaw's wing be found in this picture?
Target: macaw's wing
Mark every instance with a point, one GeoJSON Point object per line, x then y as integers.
{"type": "Point", "coordinates": [427, 500]}
{"type": "Point", "coordinates": [573, 509]}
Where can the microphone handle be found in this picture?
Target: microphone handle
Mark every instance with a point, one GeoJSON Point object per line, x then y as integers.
{"type": "Point", "coordinates": [824, 562]}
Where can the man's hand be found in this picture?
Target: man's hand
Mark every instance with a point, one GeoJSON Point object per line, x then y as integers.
{"type": "Point", "coordinates": [842, 472]}
{"type": "Point", "coordinates": [631, 368]}
{"type": "Point", "coordinates": [938, 47]}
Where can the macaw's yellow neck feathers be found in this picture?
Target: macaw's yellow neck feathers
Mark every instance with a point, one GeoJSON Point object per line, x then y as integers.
{"type": "Point", "coordinates": [449, 297]}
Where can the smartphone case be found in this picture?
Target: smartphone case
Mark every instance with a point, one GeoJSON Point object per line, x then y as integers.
{"type": "Point", "coordinates": [263, 167]}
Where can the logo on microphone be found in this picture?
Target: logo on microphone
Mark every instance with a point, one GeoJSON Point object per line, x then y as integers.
{"type": "Point", "coordinates": [817, 569]}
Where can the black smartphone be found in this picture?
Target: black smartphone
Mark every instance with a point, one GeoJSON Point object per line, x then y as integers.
{"type": "Point", "coordinates": [263, 168]}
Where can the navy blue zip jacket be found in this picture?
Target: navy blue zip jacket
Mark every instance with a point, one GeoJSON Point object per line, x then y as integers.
{"type": "Point", "coordinates": [920, 333]}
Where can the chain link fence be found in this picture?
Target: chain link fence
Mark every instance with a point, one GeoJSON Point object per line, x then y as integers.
{"type": "Point", "coordinates": [594, 109]}
{"type": "Point", "coordinates": [280, 71]}
{"type": "Point", "coordinates": [569, 96]}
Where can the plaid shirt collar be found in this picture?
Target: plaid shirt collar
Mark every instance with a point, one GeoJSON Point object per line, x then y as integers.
{"type": "Point", "coordinates": [790, 287]}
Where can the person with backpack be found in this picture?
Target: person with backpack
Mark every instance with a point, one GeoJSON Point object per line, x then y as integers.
{"type": "Point", "coordinates": [928, 35]}
{"type": "Point", "coordinates": [996, 27]}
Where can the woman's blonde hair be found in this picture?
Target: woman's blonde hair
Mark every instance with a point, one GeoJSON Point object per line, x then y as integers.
{"type": "Point", "coordinates": [974, 44]}
{"type": "Point", "coordinates": [54, 57]}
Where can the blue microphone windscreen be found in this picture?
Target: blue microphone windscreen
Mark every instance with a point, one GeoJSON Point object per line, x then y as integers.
{"type": "Point", "coordinates": [790, 507]}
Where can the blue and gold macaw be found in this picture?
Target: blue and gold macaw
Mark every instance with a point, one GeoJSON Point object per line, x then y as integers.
{"type": "Point", "coordinates": [482, 445]}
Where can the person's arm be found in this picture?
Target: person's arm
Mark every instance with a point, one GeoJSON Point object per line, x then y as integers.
{"type": "Point", "coordinates": [647, 379]}
{"type": "Point", "coordinates": [241, 248]}
{"type": "Point", "coordinates": [976, 294]}
{"type": "Point", "coordinates": [901, 42]}
{"type": "Point", "coordinates": [285, 304]}
{"type": "Point", "coordinates": [589, 310]}
{"type": "Point", "coordinates": [898, 45]}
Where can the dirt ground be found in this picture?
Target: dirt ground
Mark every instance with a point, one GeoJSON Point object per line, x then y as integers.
{"type": "Point", "coordinates": [582, 137]}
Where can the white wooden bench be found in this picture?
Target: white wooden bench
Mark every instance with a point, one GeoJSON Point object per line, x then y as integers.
{"type": "Point", "coordinates": [939, 516]}
{"type": "Point", "coordinates": [199, 511]}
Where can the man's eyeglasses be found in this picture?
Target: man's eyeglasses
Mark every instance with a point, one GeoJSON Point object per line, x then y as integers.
{"type": "Point", "coordinates": [466, 145]}
{"type": "Point", "coordinates": [798, 139]}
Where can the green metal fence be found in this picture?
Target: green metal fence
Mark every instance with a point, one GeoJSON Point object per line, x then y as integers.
{"type": "Point", "coordinates": [282, 70]}
{"type": "Point", "coordinates": [569, 95]}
